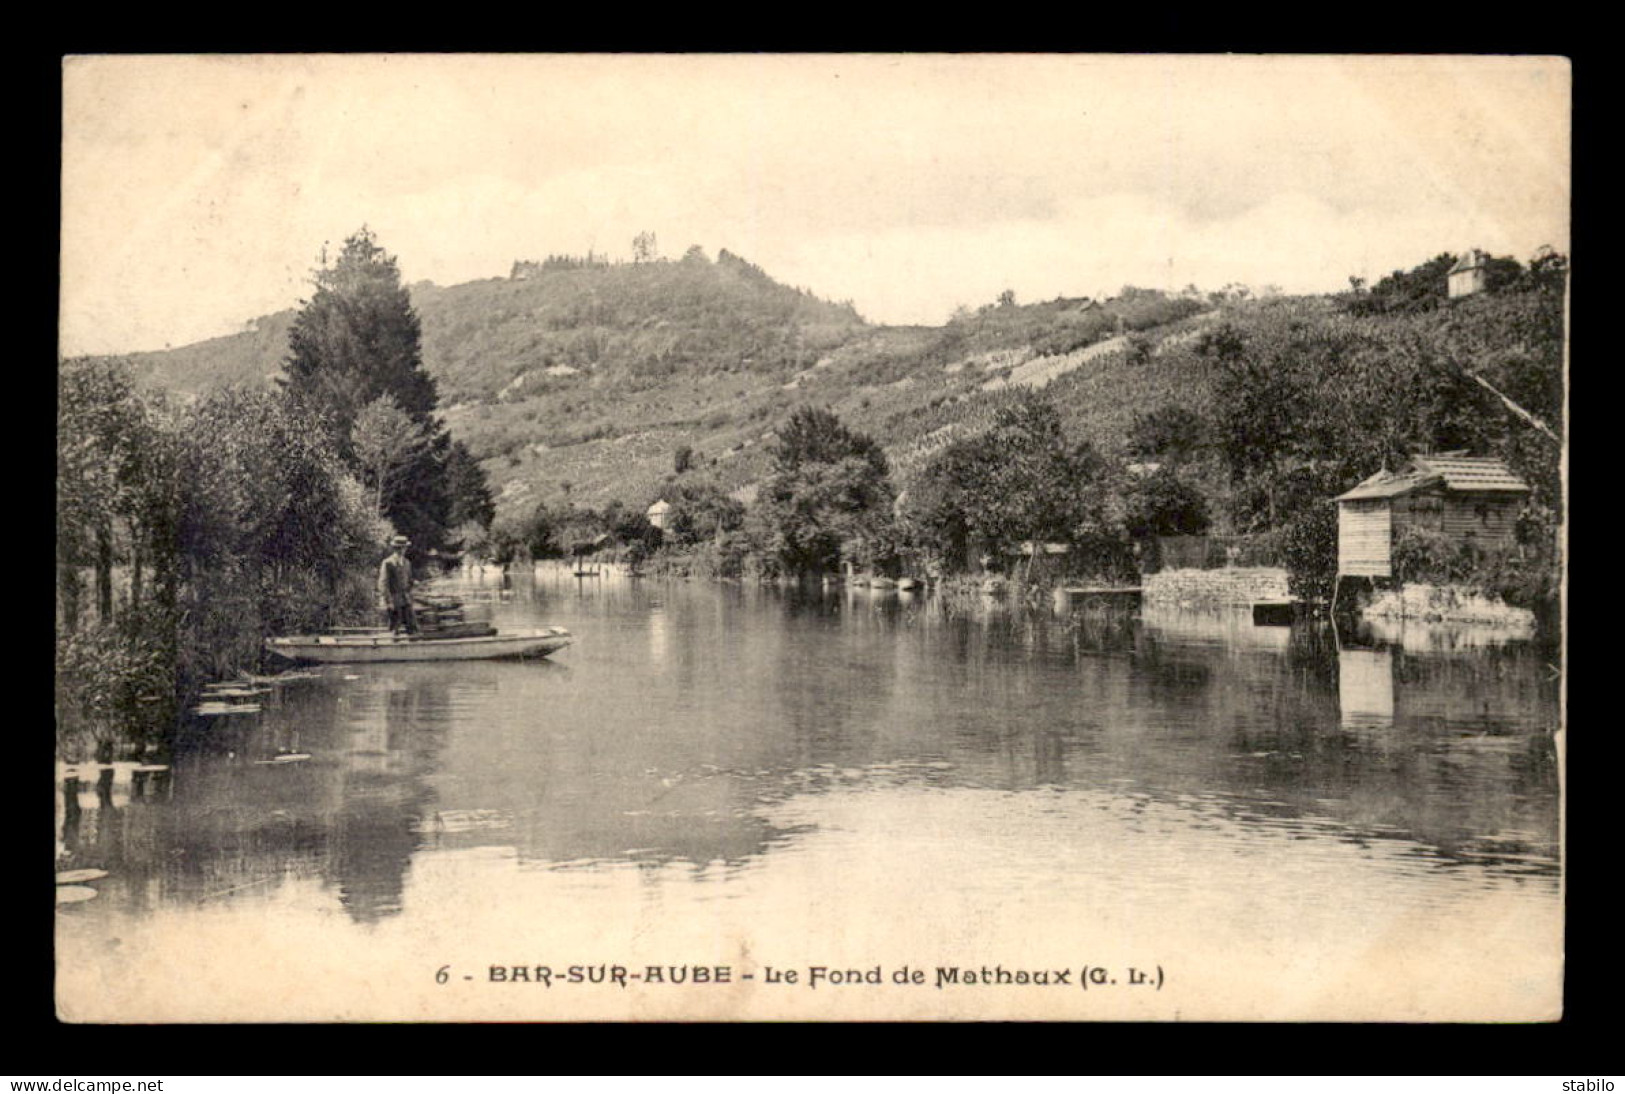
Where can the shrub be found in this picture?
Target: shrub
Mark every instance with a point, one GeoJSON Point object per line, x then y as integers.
{"type": "Point", "coordinates": [1523, 575]}
{"type": "Point", "coordinates": [1164, 505]}
{"type": "Point", "coordinates": [1309, 550]}
{"type": "Point", "coordinates": [111, 684]}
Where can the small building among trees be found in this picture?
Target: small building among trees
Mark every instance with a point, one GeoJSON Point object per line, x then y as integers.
{"type": "Point", "coordinates": [1464, 499]}
{"type": "Point", "coordinates": [1470, 274]}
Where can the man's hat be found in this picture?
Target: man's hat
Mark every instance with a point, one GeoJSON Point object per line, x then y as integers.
{"type": "Point", "coordinates": [400, 541]}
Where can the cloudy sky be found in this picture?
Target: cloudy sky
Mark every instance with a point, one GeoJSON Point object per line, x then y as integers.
{"type": "Point", "coordinates": [198, 191]}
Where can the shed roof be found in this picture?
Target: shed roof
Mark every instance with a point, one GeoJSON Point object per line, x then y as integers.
{"type": "Point", "coordinates": [1387, 484]}
{"type": "Point", "coordinates": [1463, 472]}
{"type": "Point", "coordinates": [1470, 261]}
{"type": "Point", "coordinates": [1452, 470]}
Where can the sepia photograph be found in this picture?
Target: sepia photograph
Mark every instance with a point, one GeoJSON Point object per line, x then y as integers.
{"type": "Point", "coordinates": [811, 537]}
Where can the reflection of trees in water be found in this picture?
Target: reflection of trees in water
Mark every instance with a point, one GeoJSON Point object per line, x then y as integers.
{"type": "Point", "coordinates": [833, 682]}
{"type": "Point", "coordinates": [395, 735]}
{"type": "Point", "coordinates": [755, 693]}
{"type": "Point", "coordinates": [1497, 689]}
{"type": "Point", "coordinates": [224, 829]}
{"type": "Point", "coordinates": [808, 600]}
{"type": "Point", "coordinates": [654, 760]}
{"type": "Point", "coordinates": [230, 824]}
{"type": "Point", "coordinates": [371, 851]}
{"type": "Point", "coordinates": [1200, 708]}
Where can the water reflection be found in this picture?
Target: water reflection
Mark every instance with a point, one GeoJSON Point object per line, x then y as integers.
{"type": "Point", "coordinates": [1365, 688]}
{"type": "Point", "coordinates": [690, 725]}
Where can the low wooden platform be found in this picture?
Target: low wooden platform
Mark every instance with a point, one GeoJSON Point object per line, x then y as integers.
{"type": "Point", "coordinates": [1074, 593]}
{"type": "Point", "coordinates": [1275, 613]}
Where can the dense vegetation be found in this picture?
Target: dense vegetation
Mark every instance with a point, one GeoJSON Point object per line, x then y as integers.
{"type": "Point", "coordinates": [587, 388]}
{"type": "Point", "coordinates": [202, 528]}
{"type": "Point", "coordinates": [205, 525]}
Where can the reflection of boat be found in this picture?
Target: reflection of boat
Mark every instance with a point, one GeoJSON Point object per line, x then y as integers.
{"type": "Point", "coordinates": [337, 648]}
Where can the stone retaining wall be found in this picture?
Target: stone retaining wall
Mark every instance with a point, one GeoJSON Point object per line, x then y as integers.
{"type": "Point", "coordinates": [1238, 585]}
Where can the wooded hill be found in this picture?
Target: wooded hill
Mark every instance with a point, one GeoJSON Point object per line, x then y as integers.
{"type": "Point", "coordinates": [583, 378]}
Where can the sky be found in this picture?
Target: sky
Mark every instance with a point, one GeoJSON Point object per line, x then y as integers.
{"type": "Point", "coordinates": [199, 192]}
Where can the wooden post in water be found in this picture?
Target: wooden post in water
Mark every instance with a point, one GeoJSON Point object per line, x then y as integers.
{"type": "Point", "coordinates": [71, 812]}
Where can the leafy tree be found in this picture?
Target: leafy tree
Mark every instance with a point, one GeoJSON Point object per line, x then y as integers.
{"type": "Point", "coordinates": [1256, 397]}
{"type": "Point", "coordinates": [936, 506]}
{"type": "Point", "coordinates": [1309, 550]}
{"type": "Point", "coordinates": [117, 502]}
{"type": "Point", "coordinates": [631, 528]}
{"type": "Point", "coordinates": [1037, 484]}
{"type": "Point", "coordinates": [1164, 505]}
{"type": "Point", "coordinates": [1418, 289]}
{"type": "Point", "coordinates": [1022, 479]}
{"type": "Point", "coordinates": [816, 435]}
{"type": "Point", "coordinates": [1171, 432]}
{"type": "Point", "coordinates": [1502, 272]}
{"type": "Point", "coordinates": [238, 512]}
{"type": "Point", "coordinates": [830, 487]}
{"type": "Point", "coordinates": [472, 537]}
{"type": "Point", "coordinates": [386, 441]}
{"type": "Point", "coordinates": [682, 459]}
{"type": "Point", "coordinates": [812, 513]}
{"type": "Point", "coordinates": [102, 435]}
{"type": "Point", "coordinates": [1277, 414]}
{"type": "Point", "coordinates": [1547, 271]}
{"type": "Point", "coordinates": [699, 512]}
{"type": "Point", "coordinates": [265, 492]}
{"type": "Point", "coordinates": [542, 535]}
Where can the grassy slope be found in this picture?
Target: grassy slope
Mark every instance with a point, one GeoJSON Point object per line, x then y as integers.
{"type": "Point", "coordinates": [594, 376]}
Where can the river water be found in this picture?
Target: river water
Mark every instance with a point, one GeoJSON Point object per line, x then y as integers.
{"type": "Point", "coordinates": [1189, 816]}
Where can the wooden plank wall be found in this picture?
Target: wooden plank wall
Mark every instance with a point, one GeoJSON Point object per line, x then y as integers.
{"type": "Point", "coordinates": [1489, 519]}
{"type": "Point", "coordinates": [1364, 538]}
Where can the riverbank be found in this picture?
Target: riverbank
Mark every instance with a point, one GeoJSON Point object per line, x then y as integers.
{"type": "Point", "coordinates": [127, 684]}
{"type": "Point", "coordinates": [1448, 604]}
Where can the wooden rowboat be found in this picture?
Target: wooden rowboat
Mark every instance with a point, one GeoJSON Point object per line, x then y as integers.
{"type": "Point", "coordinates": [345, 648]}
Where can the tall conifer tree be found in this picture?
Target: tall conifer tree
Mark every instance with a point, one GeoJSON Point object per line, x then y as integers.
{"type": "Point", "coordinates": [358, 338]}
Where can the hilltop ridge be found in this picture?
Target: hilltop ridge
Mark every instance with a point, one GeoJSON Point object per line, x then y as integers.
{"type": "Point", "coordinates": [581, 378]}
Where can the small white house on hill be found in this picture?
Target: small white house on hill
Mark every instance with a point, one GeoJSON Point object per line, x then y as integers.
{"type": "Point", "coordinates": [1470, 274]}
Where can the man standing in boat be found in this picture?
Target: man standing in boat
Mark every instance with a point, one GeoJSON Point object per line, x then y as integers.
{"type": "Point", "coordinates": [395, 588]}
